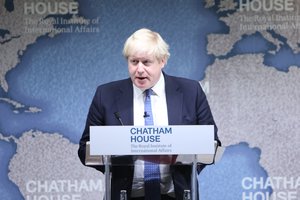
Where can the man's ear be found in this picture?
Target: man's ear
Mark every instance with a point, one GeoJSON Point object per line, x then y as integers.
{"type": "Point", "coordinates": [162, 63]}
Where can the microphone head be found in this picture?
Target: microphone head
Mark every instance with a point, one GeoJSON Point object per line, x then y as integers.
{"type": "Point", "coordinates": [117, 115]}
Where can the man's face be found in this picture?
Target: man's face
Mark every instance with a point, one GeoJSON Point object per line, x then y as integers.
{"type": "Point", "coordinates": [144, 70]}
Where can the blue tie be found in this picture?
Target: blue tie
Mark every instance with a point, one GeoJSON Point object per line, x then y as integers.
{"type": "Point", "coordinates": [151, 170]}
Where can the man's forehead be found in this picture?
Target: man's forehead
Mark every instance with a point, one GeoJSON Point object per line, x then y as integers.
{"type": "Point", "coordinates": [142, 56]}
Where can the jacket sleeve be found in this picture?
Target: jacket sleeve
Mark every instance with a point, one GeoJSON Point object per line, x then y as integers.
{"type": "Point", "coordinates": [94, 118]}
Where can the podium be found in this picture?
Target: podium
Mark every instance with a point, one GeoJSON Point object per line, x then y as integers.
{"type": "Point", "coordinates": [176, 145]}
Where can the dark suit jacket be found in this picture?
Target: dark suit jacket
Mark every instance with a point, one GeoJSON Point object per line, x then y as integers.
{"type": "Point", "coordinates": [187, 105]}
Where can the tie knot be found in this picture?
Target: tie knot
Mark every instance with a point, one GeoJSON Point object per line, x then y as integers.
{"type": "Point", "coordinates": [148, 92]}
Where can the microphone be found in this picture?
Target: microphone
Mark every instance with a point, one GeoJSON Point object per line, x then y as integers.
{"type": "Point", "coordinates": [120, 158]}
{"type": "Point", "coordinates": [117, 115]}
{"type": "Point", "coordinates": [146, 114]}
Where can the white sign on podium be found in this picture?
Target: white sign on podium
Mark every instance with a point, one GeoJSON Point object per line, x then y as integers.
{"type": "Point", "coordinates": [152, 140]}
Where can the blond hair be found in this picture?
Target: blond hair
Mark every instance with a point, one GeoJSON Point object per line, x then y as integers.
{"type": "Point", "coordinates": [146, 41]}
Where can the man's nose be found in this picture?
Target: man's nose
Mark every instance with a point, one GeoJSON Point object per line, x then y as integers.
{"type": "Point", "coordinates": [140, 67]}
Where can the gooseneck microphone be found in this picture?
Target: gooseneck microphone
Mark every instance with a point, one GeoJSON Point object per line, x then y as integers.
{"type": "Point", "coordinates": [124, 158]}
{"type": "Point", "coordinates": [117, 115]}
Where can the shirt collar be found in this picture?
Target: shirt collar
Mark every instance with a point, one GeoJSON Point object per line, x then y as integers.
{"type": "Point", "coordinates": [158, 88]}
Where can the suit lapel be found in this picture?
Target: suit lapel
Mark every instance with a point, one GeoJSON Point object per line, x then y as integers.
{"type": "Point", "coordinates": [174, 98]}
{"type": "Point", "coordinates": [124, 100]}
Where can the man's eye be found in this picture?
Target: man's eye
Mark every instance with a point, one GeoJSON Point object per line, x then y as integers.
{"type": "Point", "coordinates": [147, 62]}
{"type": "Point", "coordinates": [134, 62]}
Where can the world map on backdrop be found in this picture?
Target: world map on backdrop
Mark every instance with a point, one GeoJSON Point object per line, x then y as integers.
{"type": "Point", "coordinates": [55, 53]}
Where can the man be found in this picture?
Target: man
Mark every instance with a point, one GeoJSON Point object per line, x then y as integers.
{"type": "Point", "coordinates": [174, 101]}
